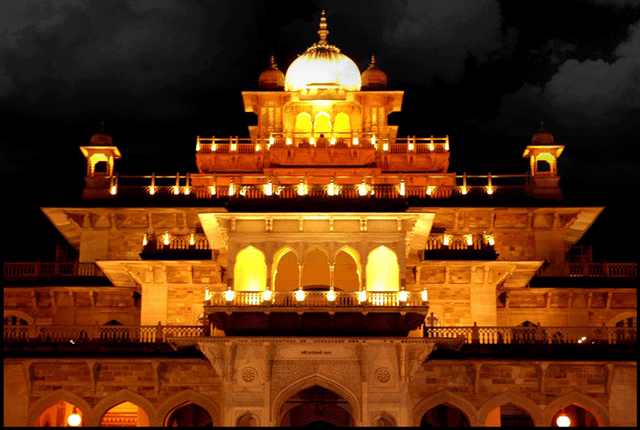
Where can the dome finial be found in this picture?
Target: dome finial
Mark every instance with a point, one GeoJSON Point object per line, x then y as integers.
{"type": "Point", "coordinates": [272, 62]}
{"type": "Point", "coordinates": [102, 126]}
{"type": "Point", "coordinates": [323, 30]}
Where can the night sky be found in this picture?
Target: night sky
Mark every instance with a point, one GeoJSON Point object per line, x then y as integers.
{"type": "Point", "coordinates": [159, 73]}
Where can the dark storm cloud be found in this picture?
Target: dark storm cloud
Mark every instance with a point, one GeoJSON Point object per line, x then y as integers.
{"type": "Point", "coordinates": [66, 46]}
{"type": "Point", "coordinates": [593, 92]}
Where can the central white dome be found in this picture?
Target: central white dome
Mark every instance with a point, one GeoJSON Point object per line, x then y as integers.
{"type": "Point", "coordinates": [322, 64]}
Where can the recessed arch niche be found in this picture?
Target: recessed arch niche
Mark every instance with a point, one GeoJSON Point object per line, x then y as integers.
{"type": "Point", "coordinates": [250, 271]}
{"type": "Point", "coordinates": [383, 273]}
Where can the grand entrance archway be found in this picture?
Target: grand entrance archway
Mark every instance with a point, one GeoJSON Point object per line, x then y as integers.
{"type": "Point", "coordinates": [316, 406]}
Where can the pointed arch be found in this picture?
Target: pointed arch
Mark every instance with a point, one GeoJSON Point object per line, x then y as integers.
{"type": "Point", "coordinates": [54, 397]}
{"type": "Point", "coordinates": [315, 268]}
{"type": "Point", "coordinates": [382, 271]}
{"type": "Point", "coordinates": [308, 382]}
{"type": "Point", "coordinates": [347, 269]}
{"type": "Point", "coordinates": [342, 124]}
{"type": "Point", "coordinates": [384, 415]}
{"type": "Point", "coordinates": [122, 396]}
{"type": "Point", "coordinates": [516, 399]}
{"type": "Point", "coordinates": [285, 271]}
{"type": "Point", "coordinates": [577, 398]}
{"type": "Point", "coordinates": [189, 396]}
{"type": "Point", "coordinates": [250, 270]}
{"type": "Point", "coordinates": [244, 418]}
{"type": "Point", "coordinates": [303, 124]}
{"type": "Point", "coordinates": [322, 123]}
{"type": "Point", "coordinates": [445, 397]}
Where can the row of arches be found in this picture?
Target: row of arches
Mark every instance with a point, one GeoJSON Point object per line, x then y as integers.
{"type": "Point", "coordinates": [317, 269]}
{"type": "Point", "coordinates": [125, 409]}
{"type": "Point", "coordinates": [322, 123]}
{"type": "Point", "coordinates": [316, 400]}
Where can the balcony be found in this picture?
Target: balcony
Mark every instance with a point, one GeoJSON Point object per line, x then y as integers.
{"type": "Point", "coordinates": [469, 335]}
{"type": "Point", "coordinates": [217, 189]}
{"type": "Point", "coordinates": [311, 313]}
{"type": "Point", "coordinates": [68, 273]}
{"type": "Point", "coordinates": [175, 247]}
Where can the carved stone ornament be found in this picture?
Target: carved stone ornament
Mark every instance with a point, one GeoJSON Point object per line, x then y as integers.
{"type": "Point", "coordinates": [383, 375]}
{"type": "Point", "coordinates": [249, 374]}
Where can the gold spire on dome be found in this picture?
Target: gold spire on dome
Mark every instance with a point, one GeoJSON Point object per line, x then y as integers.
{"type": "Point", "coordinates": [373, 61]}
{"type": "Point", "coordinates": [273, 64]}
{"type": "Point", "coordinates": [323, 30]}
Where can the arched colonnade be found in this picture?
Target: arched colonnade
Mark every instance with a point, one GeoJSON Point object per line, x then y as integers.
{"type": "Point", "coordinates": [343, 267]}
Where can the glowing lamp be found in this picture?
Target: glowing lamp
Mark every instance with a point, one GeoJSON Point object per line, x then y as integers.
{"type": "Point", "coordinates": [213, 190]}
{"type": "Point", "coordinates": [113, 190]}
{"type": "Point", "coordinates": [373, 140]}
{"type": "Point", "coordinates": [385, 147]}
{"type": "Point", "coordinates": [231, 191]}
{"type": "Point", "coordinates": [429, 190]}
{"type": "Point", "coordinates": [301, 188]}
{"type": "Point", "coordinates": [563, 420]}
{"type": "Point", "coordinates": [207, 293]}
{"type": "Point", "coordinates": [362, 296]}
{"type": "Point", "coordinates": [300, 295]}
{"type": "Point", "coordinates": [228, 295]}
{"type": "Point", "coordinates": [362, 188]}
{"type": "Point", "coordinates": [289, 142]}
{"type": "Point", "coordinates": [333, 141]}
{"type": "Point", "coordinates": [271, 140]}
{"type": "Point", "coordinates": [266, 295]}
{"type": "Point", "coordinates": [424, 295]}
{"type": "Point", "coordinates": [411, 146]}
{"type": "Point", "coordinates": [214, 147]}
{"type": "Point", "coordinates": [332, 189]}
{"type": "Point", "coordinates": [331, 295]}
{"type": "Point", "coordinates": [166, 238]}
{"type": "Point", "coordinates": [431, 147]}
{"type": "Point", "coordinates": [198, 145]}
{"type": "Point", "coordinates": [192, 239]}
{"type": "Point", "coordinates": [268, 188]}
{"type": "Point", "coordinates": [312, 141]}
{"type": "Point", "coordinates": [469, 239]}
{"type": "Point", "coordinates": [234, 146]}
{"type": "Point", "coordinates": [176, 190]}
{"type": "Point", "coordinates": [403, 295]}
{"type": "Point", "coordinates": [355, 141]}
{"type": "Point", "coordinates": [74, 419]}
{"type": "Point", "coordinates": [445, 239]}
{"type": "Point", "coordinates": [187, 190]}
{"type": "Point", "coordinates": [152, 190]}
{"type": "Point", "coordinates": [490, 240]}
{"type": "Point", "coordinates": [464, 190]}
{"type": "Point", "coordinates": [402, 187]}
{"type": "Point", "coordinates": [489, 190]}
{"type": "Point", "coordinates": [145, 239]}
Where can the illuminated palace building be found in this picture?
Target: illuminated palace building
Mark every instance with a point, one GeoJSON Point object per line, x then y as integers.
{"type": "Point", "coordinates": [323, 270]}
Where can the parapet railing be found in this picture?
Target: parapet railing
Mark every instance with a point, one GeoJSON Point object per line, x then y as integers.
{"type": "Point", "coordinates": [160, 241]}
{"type": "Point", "coordinates": [536, 335]}
{"type": "Point", "coordinates": [381, 144]}
{"type": "Point", "coordinates": [603, 270]}
{"type": "Point", "coordinates": [318, 299]}
{"type": "Point", "coordinates": [95, 333]}
{"type": "Point", "coordinates": [551, 335]}
{"type": "Point", "coordinates": [252, 186]}
{"type": "Point", "coordinates": [39, 269]}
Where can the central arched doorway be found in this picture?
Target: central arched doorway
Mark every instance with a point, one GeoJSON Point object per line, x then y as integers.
{"type": "Point", "coordinates": [316, 406]}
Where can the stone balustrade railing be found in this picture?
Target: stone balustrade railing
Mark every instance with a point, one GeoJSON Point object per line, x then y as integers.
{"type": "Point", "coordinates": [96, 333]}
{"type": "Point", "coordinates": [261, 186]}
{"type": "Point", "coordinates": [381, 144]}
{"type": "Point", "coordinates": [40, 269]}
{"type": "Point", "coordinates": [607, 270]}
{"type": "Point", "coordinates": [540, 335]}
{"type": "Point", "coordinates": [536, 335]}
{"type": "Point", "coordinates": [317, 299]}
